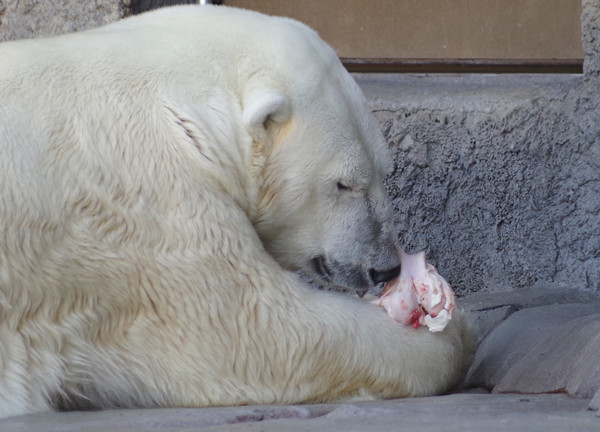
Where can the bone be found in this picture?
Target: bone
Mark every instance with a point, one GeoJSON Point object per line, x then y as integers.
{"type": "Point", "coordinates": [419, 296]}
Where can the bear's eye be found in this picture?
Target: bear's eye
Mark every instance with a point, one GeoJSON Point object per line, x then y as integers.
{"type": "Point", "coordinates": [342, 187]}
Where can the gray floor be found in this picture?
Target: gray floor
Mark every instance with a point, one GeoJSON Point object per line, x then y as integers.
{"type": "Point", "coordinates": [458, 412]}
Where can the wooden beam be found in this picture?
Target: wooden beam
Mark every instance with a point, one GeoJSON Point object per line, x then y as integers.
{"type": "Point", "coordinates": [390, 65]}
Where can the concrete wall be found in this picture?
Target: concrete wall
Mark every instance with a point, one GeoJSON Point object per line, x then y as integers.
{"type": "Point", "coordinates": [497, 176]}
{"type": "Point", "coordinates": [21, 19]}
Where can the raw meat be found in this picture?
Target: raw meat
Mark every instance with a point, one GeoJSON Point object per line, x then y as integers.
{"type": "Point", "coordinates": [419, 296]}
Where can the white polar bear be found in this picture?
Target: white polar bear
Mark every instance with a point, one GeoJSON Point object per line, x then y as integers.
{"type": "Point", "coordinates": [161, 178]}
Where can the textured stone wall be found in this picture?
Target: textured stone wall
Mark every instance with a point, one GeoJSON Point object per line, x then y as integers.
{"type": "Point", "coordinates": [498, 177]}
{"type": "Point", "coordinates": [590, 29]}
{"type": "Point", "coordinates": [22, 19]}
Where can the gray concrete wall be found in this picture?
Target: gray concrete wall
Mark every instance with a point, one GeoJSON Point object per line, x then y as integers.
{"type": "Point", "coordinates": [497, 176]}
{"type": "Point", "coordinates": [21, 19]}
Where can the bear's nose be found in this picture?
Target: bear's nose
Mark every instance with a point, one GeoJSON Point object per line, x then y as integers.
{"type": "Point", "coordinates": [378, 276]}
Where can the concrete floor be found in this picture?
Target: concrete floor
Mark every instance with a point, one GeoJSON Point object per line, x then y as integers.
{"type": "Point", "coordinates": [457, 412]}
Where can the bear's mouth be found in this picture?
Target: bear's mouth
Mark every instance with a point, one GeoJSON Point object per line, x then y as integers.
{"type": "Point", "coordinates": [320, 267]}
{"type": "Point", "coordinates": [338, 274]}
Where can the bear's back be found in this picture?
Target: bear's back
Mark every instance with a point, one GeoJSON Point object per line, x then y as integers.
{"type": "Point", "coordinates": [208, 39]}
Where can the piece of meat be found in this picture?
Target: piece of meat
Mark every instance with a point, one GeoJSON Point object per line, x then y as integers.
{"type": "Point", "coordinates": [419, 296]}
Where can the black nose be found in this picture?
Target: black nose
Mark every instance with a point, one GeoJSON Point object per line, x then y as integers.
{"type": "Point", "coordinates": [378, 276]}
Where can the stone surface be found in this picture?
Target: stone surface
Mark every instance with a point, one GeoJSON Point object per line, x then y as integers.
{"type": "Point", "coordinates": [595, 403]}
{"type": "Point", "coordinates": [452, 413]}
{"type": "Point", "coordinates": [551, 348]}
{"type": "Point", "coordinates": [564, 360]}
{"type": "Point", "coordinates": [24, 19]}
{"type": "Point", "coordinates": [21, 19]}
{"type": "Point", "coordinates": [497, 177]}
{"type": "Point", "coordinates": [590, 29]}
{"type": "Point", "coordinates": [487, 310]}
{"type": "Point", "coordinates": [540, 294]}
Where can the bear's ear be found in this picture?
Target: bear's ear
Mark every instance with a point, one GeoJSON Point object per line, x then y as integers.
{"type": "Point", "coordinates": [262, 107]}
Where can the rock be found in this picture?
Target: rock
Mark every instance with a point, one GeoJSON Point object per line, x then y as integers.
{"type": "Point", "coordinates": [595, 403]}
{"type": "Point", "coordinates": [542, 349]}
{"type": "Point", "coordinates": [487, 310]}
{"type": "Point", "coordinates": [563, 361]}
{"type": "Point", "coordinates": [484, 321]}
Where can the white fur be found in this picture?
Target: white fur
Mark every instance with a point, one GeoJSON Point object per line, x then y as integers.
{"type": "Point", "coordinates": [160, 178]}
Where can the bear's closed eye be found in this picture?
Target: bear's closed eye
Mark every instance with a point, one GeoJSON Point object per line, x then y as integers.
{"type": "Point", "coordinates": [342, 187]}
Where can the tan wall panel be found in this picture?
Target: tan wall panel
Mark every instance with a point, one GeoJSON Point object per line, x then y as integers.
{"type": "Point", "coordinates": [492, 29]}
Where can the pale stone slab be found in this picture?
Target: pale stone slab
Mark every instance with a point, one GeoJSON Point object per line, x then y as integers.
{"type": "Point", "coordinates": [551, 348]}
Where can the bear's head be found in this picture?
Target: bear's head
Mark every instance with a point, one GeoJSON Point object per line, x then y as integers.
{"type": "Point", "coordinates": [321, 160]}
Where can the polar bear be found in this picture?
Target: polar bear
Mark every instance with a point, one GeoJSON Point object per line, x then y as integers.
{"type": "Point", "coordinates": [163, 179]}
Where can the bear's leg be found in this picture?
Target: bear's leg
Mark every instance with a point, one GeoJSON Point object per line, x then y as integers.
{"type": "Point", "coordinates": [344, 347]}
{"type": "Point", "coordinates": [202, 323]}
{"type": "Point", "coordinates": [20, 392]}
{"type": "Point", "coordinates": [274, 344]}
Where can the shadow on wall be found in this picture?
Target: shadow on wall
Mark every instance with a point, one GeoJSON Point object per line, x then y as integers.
{"type": "Point", "coordinates": [139, 6]}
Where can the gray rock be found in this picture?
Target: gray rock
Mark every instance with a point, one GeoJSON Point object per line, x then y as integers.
{"type": "Point", "coordinates": [566, 360]}
{"type": "Point", "coordinates": [542, 349]}
{"type": "Point", "coordinates": [595, 403]}
{"type": "Point", "coordinates": [484, 321]}
{"type": "Point", "coordinates": [539, 294]}
{"type": "Point", "coordinates": [486, 310]}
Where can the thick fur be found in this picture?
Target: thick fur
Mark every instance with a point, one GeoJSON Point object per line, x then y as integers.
{"type": "Point", "coordinates": [161, 178]}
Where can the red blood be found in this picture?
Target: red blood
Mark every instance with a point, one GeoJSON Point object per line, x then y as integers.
{"type": "Point", "coordinates": [413, 319]}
